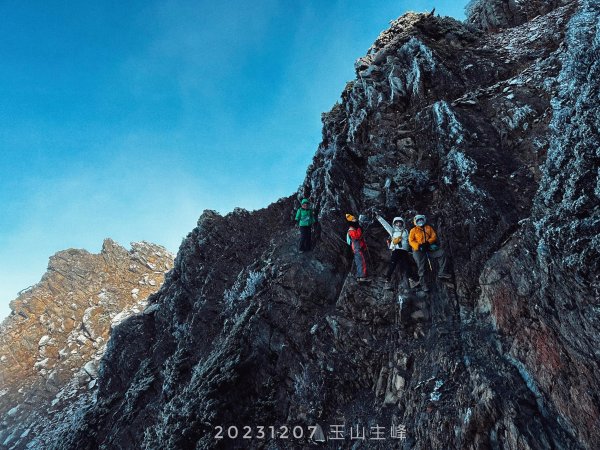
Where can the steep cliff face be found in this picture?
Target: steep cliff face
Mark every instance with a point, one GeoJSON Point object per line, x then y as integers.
{"type": "Point", "coordinates": [57, 332]}
{"type": "Point", "coordinates": [494, 136]}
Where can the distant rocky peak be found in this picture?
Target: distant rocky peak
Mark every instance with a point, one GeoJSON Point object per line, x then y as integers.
{"type": "Point", "coordinates": [51, 344]}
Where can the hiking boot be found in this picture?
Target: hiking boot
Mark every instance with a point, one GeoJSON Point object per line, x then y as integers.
{"type": "Point", "coordinates": [444, 276]}
{"type": "Point", "coordinates": [413, 283]}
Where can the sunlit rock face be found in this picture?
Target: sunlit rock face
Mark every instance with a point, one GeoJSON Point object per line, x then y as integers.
{"type": "Point", "coordinates": [51, 344]}
{"type": "Point", "coordinates": [492, 132]}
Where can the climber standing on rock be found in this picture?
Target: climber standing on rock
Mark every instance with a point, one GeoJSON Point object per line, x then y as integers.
{"type": "Point", "coordinates": [305, 217]}
{"type": "Point", "coordinates": [398, 244]}
{"type": "Point", "coordinates": [424, 242]}
{"type": "Point", "coordinates": [356, 241]}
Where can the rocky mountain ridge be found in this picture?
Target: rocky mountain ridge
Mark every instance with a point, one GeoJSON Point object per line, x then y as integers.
{"type": "Point", "coordinates": [51, 344]}
{"type": "Point", "coordinates": [490, 128]}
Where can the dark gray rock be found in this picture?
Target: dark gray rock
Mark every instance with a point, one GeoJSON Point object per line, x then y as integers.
{"type": "Point", "coordinates": [493, 15]}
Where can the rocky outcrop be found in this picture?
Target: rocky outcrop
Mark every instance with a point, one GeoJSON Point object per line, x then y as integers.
{"type": "Point", "coordinates": [51, 344]}
{"type": "Point", "coordinates": [493, 15]}
{"type": "Point", "coordinates": [493, 136]}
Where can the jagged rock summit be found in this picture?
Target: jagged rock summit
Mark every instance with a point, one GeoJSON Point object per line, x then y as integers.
{"type": "Point", "coordinates": [51, 344]}
{"type": "Point", "coordinates": [491, 130]}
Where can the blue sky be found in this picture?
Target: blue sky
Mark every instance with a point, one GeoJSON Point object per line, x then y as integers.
{"type": "Point", "coordinates": [127, 119]}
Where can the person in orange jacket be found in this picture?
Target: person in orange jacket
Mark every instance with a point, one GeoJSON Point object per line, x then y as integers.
{"type": "Point", "coordinates": [424, 242]}
{"type": "Point", "coordinates": [356, 241]}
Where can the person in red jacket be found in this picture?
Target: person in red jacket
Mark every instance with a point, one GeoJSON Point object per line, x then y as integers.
{"type": "Point", "coordinates": [356, 241]}
{"type": "Point", "coordinates": [424, 242]}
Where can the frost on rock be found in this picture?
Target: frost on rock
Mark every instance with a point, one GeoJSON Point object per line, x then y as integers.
{"type": "Point", "coordinates": [458, 169]}
{"type": "Point", "coordinates": [250, 286]}
{"type": "Point", "coordinates": [308, 389]}
{"type": "Point", "coordinates": [396, 85]}
{"type": "Point", "coordinates": [449, 129]}
{"type": "Point", "coordinates": [518, 117]}
{"type": "Point", "coordinates": [468, 415]}
{"type": "Point", "coordinates": [436, 394]}
{"type": "Point", "coordinates": [370, 93]}
{"type": "Point", "coordinates": [355, 122]}
{"type": "Point", "coordinates": [253, 281]}
{"type": "Point", "coordinates": [48, 431]}
{"type": "Point", "coordinates": [495, 14]}
{"type": "Point", "coordinates": [420, 60]}
{"type": "Point", "coordinates": [529, 382]}
{"type": "Point", "coordinates": [402, 78]}
{"type": "Point", "coordinates": [569, 224]}
{"type": "Point", "coordinates": [406, 70]}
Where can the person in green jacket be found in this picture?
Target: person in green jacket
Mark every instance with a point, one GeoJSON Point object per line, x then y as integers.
{"type": "Point", "coordinates": [305, 218]}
